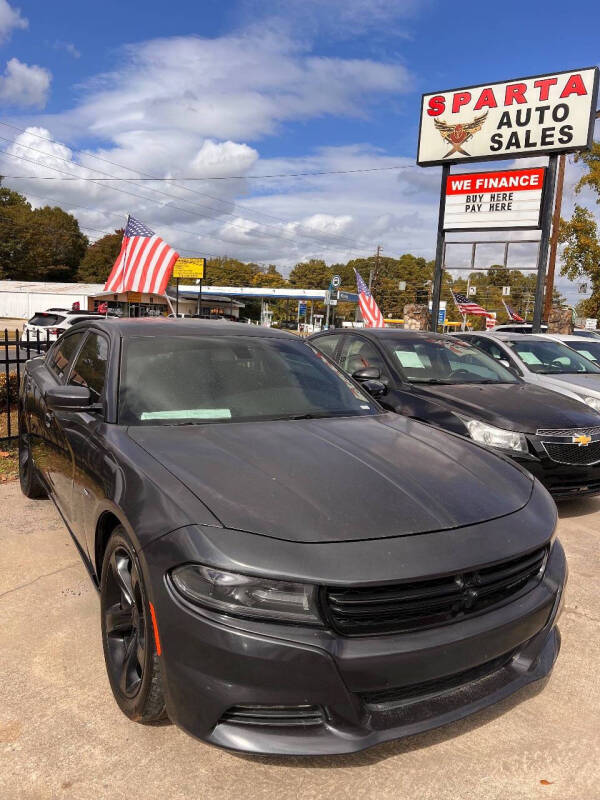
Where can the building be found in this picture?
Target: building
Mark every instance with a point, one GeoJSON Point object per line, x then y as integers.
{"type": "Point", "coordinates": [21, 299]}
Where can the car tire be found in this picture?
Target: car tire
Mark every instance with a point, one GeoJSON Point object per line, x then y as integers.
{"type": "Point", "coordinates": [130, 653]}
{"type": "Point", "coordinates": [31, 483]}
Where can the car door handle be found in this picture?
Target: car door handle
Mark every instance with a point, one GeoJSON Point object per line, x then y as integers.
{"type": "Point", "coordinates": [48, 418]}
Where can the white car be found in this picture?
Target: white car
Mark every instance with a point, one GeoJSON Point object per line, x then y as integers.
{"type": "Point", "coordinates": [587, 347]}
{"type": "Point", "coordinates": [544, 361]}
{"type": "Point", "coordinates": [47, 326]}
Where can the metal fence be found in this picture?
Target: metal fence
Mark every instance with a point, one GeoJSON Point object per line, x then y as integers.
{"type": "Point", "coordinates": [15, 350]}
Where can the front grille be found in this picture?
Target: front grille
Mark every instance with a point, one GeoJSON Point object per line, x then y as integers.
{"type": "Point", "coordinates": [383, 699]}
{"type": "Point", "coordinates": [569, 453]}
{"type": "Point", "coordinates": [568, 432]}
{"type": "Point", "coordinates": [425, 604]}
{"type": "Point", "coordinates": [274, 716]}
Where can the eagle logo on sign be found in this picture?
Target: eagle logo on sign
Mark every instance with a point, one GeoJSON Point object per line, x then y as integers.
{"type": "Point", "coordinates": [457, 135]}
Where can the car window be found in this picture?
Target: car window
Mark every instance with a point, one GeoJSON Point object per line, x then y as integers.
{"type": "Point", "coordinates": [357, 353]}
{"type": "Point", "coordinates": [327, 344]}
{"type": "Point", "coordinates": [60, 356]}
{"type": "Point", "coordinates": [89, 369]}
{"type": "Point", "coordinates": [588, 349]}
{"type": "Point", "coordinates": [444, 360]}
{"type": "Point", "coordinates": [491, 348]}
{"type": "Point", "coordinates": [548, 357]}
{"type": "Point", "coordinates": [175, 380]}
{"type": "Point", "coordinates": [46, 320]}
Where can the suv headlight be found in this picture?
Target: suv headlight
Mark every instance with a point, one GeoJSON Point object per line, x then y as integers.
{"type": "Point", "coordinates": [594, 402]}
{"type": "Point", "coordinates": [246, 596]}
{"type": "Point", "coordinates": [496, 437]}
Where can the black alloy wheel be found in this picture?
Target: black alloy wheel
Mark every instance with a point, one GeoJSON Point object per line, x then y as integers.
{"type": "Point", "coordinates": [127, 633]}
{"type": "Point", "coordinates": [31, 485]}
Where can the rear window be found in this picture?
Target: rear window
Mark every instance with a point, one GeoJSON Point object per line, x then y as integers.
{"type": "Point", "coordinates": [47, 320]}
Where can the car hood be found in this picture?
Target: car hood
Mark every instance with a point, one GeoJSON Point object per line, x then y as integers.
{"type": "Point", "coordinates": [512, 406]}
{"type": "Point", "coordinates": [340, 479]}
{"type": "Point", "coordinates": [582, 383]}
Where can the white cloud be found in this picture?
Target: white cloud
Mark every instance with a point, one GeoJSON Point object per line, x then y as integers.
{"type": "Point", "coordinates": [24, 85]}
{"type": "Point", "coordinates": [10, 19]}
{"type": "Point", "coordinates": [68, 47]}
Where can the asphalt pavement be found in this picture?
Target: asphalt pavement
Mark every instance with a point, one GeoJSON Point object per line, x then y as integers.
{"type": "Point", "coordinates": [62, 735]}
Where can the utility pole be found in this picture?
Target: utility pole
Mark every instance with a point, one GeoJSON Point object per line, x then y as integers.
{"type": "Point", "coordinates": [373, 273]}
{"type": "Point", "coordinates": [554, 238]}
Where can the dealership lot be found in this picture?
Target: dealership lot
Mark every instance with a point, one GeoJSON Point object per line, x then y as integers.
{"type": "Point", "coordinates": [62, 735]}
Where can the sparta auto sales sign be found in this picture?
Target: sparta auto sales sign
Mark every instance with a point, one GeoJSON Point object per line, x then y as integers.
{"type": "Point", "coordinates": [504, 199]}
{"type": "Point", "coordinates": [522, 117]}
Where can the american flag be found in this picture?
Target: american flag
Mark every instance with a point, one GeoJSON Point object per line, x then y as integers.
{"type": "Point", "coordinates": [372, 316]}
{"type": "Point", "coordinates": [145, 262]}
{"type": "Point", "coordinates": [512, 313]}
{"type": "Point", "coordinates": [466, 306]}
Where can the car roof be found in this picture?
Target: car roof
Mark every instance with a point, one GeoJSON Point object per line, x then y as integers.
{"type": "Point", "coordinates": [155, 326]}
{"type": "Point", "coordinates": [383, 333]}
{"type": "Point", "coordinates": [507, 336]}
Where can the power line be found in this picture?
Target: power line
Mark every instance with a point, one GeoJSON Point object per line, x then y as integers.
{"type": "Point", "coordinates": [150, 178]}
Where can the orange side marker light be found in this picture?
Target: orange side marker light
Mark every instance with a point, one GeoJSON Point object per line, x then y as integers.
{"type": "Point", "coordinates": [155, 626]}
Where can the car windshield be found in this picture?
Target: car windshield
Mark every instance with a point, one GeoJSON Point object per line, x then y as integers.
{"type": "Point", "coordinates": [189, 380]}
{"type": "Point", "coordinates": [550, 358]}
{"type": "Point", "coordinates": [444, 361]}
{"type": "Point", "coordinates": [587, 348]}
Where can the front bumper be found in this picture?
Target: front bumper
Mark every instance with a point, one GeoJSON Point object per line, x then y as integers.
{"type": "Point", "coordinates": [365, 690]}
{"type": "Point", "coordinates": [561, 480]}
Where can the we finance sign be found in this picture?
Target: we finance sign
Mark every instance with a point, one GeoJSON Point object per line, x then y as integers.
{"type": "Point", "coordinates": [522, 117]}
{"type": "Point", "coordinates": [504, 199]}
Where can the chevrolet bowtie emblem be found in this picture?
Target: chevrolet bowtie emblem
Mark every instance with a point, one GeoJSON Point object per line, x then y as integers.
{"type": "Point", "coordinates": [457, 135]}
{"type": "Point", "coordinates": [582, 441]}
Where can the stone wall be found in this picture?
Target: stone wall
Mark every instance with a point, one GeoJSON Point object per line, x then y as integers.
{"type": "Point", "coordinates": [560, 320]}
{"type": "Point", "coordinates": [416, 317]}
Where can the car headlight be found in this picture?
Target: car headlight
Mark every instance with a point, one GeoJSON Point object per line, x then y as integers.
{"type": "Point", "coordinates": [594, 402]}
{"type": "Point", "coordinates": [496, 437]}
{"type": "Point", "coordinates": [246, 596]}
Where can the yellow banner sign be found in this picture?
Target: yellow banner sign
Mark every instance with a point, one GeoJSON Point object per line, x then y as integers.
{"type": "Point", "coordinates": [189, 268]}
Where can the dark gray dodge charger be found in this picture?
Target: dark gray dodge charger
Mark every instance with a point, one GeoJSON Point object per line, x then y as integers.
{"type": "Point", "coordinates": [284, 567]}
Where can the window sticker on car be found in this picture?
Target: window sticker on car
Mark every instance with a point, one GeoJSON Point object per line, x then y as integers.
{"type": "Point", "coordinates": [587, 354]}
{"type": "Point", "coordinates": [408, 358]}
{"type": "Point", "coordinates": [191, 413]}
{"type": "Point", "coordinates": [530, 358]}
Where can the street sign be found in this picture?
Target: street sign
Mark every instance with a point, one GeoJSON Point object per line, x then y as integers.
{"type": "Point", "coordinates": [402, 286]}
{"type": "Point", "coordinates": [591, 324]}
{"type": "Point", "coordinates": [504, 199]}
{"type": "Point", "coordinates": [441, 316]}
{"type": "Point", "coordinates": [348, 297]}
{"type": "Point", "coordinates": [302, 309]}
{"type": "Point", "coordinates": [189, 268]}
{"type": "Point", "coordinates": [542, 114]}
{"type": "Point", "coordinates": [506, 291]}
{"type": "Point", "coordinates": [472, 291]}
{"type": "Point", "coordinates": [336, 281]}
{"type": "Point", "coordinates": [333, 301]}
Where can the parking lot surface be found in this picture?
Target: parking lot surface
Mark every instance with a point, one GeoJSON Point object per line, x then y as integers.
{"type": "Point", "coordinates": [62, 735]}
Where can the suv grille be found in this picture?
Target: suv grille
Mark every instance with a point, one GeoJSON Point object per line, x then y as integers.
{"type": "Point", "coordinates": [425, 604]}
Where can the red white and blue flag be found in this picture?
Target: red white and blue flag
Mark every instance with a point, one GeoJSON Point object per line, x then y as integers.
{"type": "Point", "coordinates": [512, 313]}
{"type": "Point", "coordinates": [372, 316]}
{"type": "Point", "coordinates": [466, 306]}
{"type": "Point", "coordinates": [144, 264]}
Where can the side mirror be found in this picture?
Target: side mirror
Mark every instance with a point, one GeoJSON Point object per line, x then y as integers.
{"type": "Point", "coordinates": [375, 388]}
{"type": "Point", "coordinates": [70, 398]}
{"type": "Point", "coordinates": [366, 374]}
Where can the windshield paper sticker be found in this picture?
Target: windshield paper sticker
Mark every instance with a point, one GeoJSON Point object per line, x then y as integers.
{"type": "Point", "coordinates": [191, 413]}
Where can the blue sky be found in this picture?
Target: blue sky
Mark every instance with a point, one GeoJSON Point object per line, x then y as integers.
{"type": "Point", "coordinates": [248, 87]}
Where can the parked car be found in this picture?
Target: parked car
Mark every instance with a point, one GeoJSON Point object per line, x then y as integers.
{"type": "Point", "coordinates": [543, 362]}
{"type": "Point", "coordinates": [283, 566]}
{"type": "Point", "coordinates": [46, 326]}
{"type": "Point", "coordinates": [440, 380]}
{"type": "Point", "coordinates": [586, 334]}
{"type": "Point", "coordinates": [516, 327]}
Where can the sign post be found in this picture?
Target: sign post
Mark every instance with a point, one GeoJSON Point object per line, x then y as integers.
{"type": "Point", "coordinates": [539, 115]}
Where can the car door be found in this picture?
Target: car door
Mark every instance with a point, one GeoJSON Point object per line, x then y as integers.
{"type": "Point", "coordinates": [81, 428]}
{"type": "Point", "coordinates": [50, 448]}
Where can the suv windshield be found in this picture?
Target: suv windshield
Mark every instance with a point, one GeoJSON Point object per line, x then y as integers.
{"type": "Point", "coordinates": [548, 357]}
{"type": "Point", "coordinates": [197, 380]}
{"type": "Point", "coordinates": [435, 360]}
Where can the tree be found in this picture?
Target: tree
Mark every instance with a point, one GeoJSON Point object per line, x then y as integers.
{"type": "Point", "coordinates": [99, 258]}
{"type": "Point", "coordinates": [581, 254]}
{"type": "Point", "coordinates": [313, 274]}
